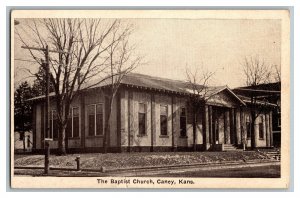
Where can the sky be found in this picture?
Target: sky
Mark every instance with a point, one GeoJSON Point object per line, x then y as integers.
{"type": "Point", "coordinates": [170, 46]}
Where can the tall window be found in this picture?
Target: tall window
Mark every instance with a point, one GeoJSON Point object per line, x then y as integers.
{"type": "Point", "coordinates": [73, 123]}
{"type": "Point", "coordinates": [182, 122]}
{"type": "Point", "coordinates": [95, 119]}
{"type": "Point", "coordinates": [53, 125]}
{"type": "Point", "coordinates": [248, 127]}
{"type": "Point", "coordinates": [142, 119]}
{"type": "Point", "coordinates": [163, 120]}
{"type": "Point", "coordinates": [261, 128]}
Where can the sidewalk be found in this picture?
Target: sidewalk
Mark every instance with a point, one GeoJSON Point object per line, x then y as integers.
{"type": "Point", "coordinates": [144, 171]}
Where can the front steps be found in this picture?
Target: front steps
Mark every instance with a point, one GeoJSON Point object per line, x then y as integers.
{"type": "Point", "coordinates": [229, 147]}
{"type": "Point", "coordinates": [274, 155]}
{"type": "Point", "coordinates": [271, 153]}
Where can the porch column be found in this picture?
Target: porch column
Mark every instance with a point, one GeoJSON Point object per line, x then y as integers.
{"type": "Point", "coordinates": [232, 127]}
{"type": "Point", "coordinates": [210, 125]}
{"type": "Point", "coordinates": [227, 127]}
{"type": "Point", "coordinates": [214, 126]}
{"type": "Point", "coordinates": [267, 129]}
{"type": "Point", "coordinates": [206, 128]}
{"type": "Point", "coordinates": [264, 128]}
{"type": "Point", "coordinates": [271, 129]}
{"type": "Point", "coordinates": [243, 125]}
{"type": "Point", "coordinates": [238, 126]}
{"type": "Point", "coordinates": [221, 135]}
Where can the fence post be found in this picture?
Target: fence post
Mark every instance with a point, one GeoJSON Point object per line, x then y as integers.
{"type": "Point", "coordinates": [78, 162]}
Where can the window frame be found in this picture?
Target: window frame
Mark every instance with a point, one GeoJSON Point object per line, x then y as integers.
{"type": "Point", "coordinates": [145, 113]}
{"type": "Point", "coordinates": [72, 122]}
{"type": "Point", "coordinates": [160, 114]}
{"type": "Point", "coordinates": [261, 128]}
{"type": "Point", "coordinates": [95, 119]}
{"type": "Point", "coordinates": [248, 121]}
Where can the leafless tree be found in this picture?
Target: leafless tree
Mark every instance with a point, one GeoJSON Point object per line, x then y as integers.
{"type": "Point", "coordinates": [83, 53]}
{"type": "Point", "coordinates": [197, 82]}
{"type": "Point", "coordinates": [121, 61]}
{"type": "Point", "coordinates": [277, 74]}
{"type": "Point", "coordinates": [256, 72]}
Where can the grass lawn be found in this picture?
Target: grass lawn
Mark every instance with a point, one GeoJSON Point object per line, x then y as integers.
{"type": "Point", "coordinates": [126, 160]}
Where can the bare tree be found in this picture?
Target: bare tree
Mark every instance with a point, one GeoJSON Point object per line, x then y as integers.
{"type": "Point", "coordinates": [256, 72]}
{"type": "Point", "coordinates": [122, 61]}
{"type": "Point", "coordinates": [198, 85]}
{"type": "Point", "coordinates": [277, 73]}
{"type": "Point", "coordinates": [79, 57]}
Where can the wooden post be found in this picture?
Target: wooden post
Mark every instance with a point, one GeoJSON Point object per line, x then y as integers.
{"type": "Point", "coordinates": [77, 163]}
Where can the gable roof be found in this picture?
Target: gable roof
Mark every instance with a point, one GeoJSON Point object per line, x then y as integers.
{"type": "Point", "coordinates": [159, 84]}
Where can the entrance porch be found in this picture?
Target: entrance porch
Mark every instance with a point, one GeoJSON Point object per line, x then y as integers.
{"type": "Point", "coordinates": [223, 130]}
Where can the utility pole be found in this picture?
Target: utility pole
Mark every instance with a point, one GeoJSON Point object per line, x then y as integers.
{"type": "Point", "coordinates": [47, 91]}
{"type": "Point", "coordinates": [47, 71]}
{"type": "Point", "coordinates": [47, 139]}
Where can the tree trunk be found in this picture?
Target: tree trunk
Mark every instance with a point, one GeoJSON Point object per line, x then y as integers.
{"type": "Point", "coordinates": [107, 125]}
{"type": "Point", "coordinates": [62, 141]}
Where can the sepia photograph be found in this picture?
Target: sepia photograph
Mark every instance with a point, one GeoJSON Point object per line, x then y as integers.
{"type": "Point", "coordinates": [150, 98]}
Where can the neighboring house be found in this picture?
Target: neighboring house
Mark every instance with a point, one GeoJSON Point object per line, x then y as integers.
{"type": "Point", "coordinates": [270, 92]}
{"type": "Point", "coordinates": [22, 142]}
{"type": "Point", "coordinates": [152, 114]}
